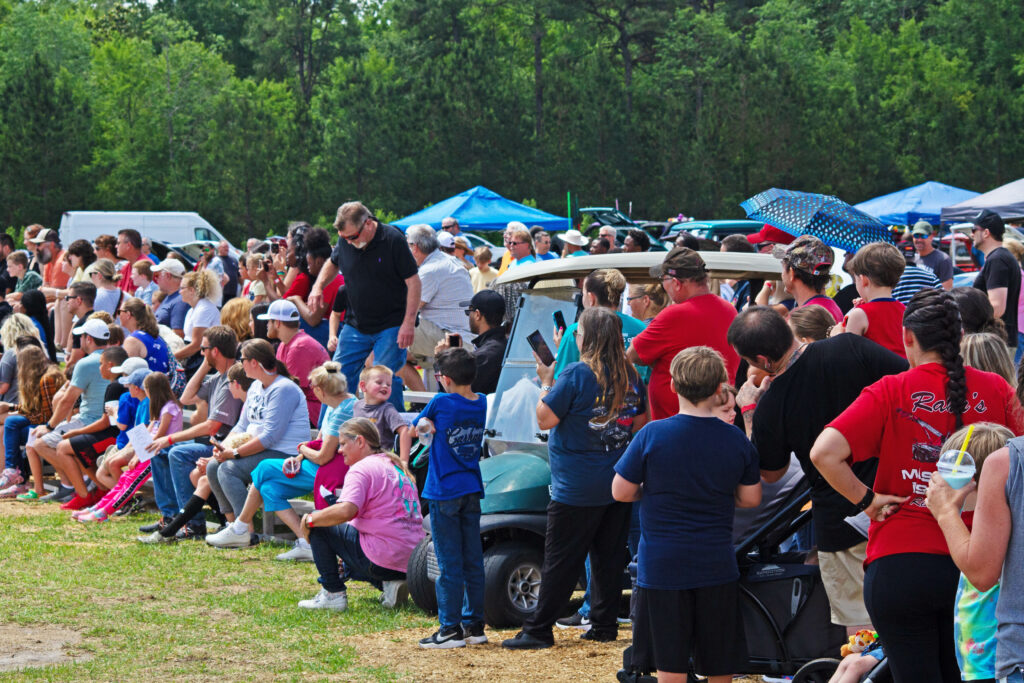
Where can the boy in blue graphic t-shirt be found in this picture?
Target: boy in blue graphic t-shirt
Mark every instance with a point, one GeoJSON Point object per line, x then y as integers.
{"type": "Point", "coordinates": [454, 489]}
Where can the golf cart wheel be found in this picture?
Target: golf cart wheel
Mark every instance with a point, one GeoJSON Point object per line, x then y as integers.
{"type": "Point", "coordinates": [421, 588]}
{"type": "Point", "coordinates": [511, 583]}
{"type": "Point", "coordinates": [816, 671]}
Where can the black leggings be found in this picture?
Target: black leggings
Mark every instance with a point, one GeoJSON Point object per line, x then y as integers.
{"type": "Point", "coordinates": [910, 598]}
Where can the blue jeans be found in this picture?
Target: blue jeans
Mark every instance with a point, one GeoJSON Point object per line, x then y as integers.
{"type": "Point", "coordinates": [353, 349]}
{"type": "Point", "coordinates": [1020, 348]}
{"type": "Point", "coordinates": [182, 458]}
{"type": "Point", "coordinates": [1015, 677]}
{"type": "Point", "coordinates": [342, 540]}
{"type": "Point", "coordinates": [163, 488]}
{"type": "Point", "coordinates": [16, 430]}
{"type": "Point", "coordinates": [455, 529]}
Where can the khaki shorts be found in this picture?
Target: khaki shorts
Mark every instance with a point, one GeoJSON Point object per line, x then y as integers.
{"type": "Point", "coordinates": [842, 573]}
{"type": "Point", "coordinates": [426, 337]}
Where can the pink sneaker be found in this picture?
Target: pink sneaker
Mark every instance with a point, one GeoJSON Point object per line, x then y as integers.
{"type": "Point", "coordinates": [9, 477]}
{"type": "Point", "coordinates": [93, 516]}
{"type": "Point", "coordinates": [13, 490]}
{"type": "Point", "coordinates": [79, 513]}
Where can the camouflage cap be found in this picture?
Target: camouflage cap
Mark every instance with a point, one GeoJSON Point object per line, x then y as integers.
{"type": "Point", "coordinates": [807, 253]}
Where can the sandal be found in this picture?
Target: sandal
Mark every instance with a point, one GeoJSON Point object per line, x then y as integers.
{"type": "Point", "coordinates": [29, 496]}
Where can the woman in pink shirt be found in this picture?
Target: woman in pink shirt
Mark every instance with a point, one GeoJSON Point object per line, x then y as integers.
{"type": "Point", "coordinates": [373, 526]}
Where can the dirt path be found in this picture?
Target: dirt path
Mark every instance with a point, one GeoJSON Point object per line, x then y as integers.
{"type": "Point", "coordinates": [32, 646]}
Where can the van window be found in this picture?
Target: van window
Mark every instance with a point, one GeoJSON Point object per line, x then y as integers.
{"type": "Point", "coordinates": [205, 234]}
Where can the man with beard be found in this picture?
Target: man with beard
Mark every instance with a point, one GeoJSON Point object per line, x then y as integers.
{"type": "Point", "coordinates": [50, 255]}
{"type": "Point", "coordinates": [486, 310]}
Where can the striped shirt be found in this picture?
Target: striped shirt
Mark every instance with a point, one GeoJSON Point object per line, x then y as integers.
{"type": "Point", "coordinates": [914, 279]}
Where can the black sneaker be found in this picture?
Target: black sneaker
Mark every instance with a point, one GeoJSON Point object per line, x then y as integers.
{"type": "Point", "coordinates": [61, 495]}
{"type": "Point", "coordinates": [475, 633]}
{"type": "Point", "coordinates": [191, 533]}
{"type": "Point", "coordinates": [136, 504]}
{"type": "Point", "coordinates": [444, 639]}
{"type": "Point", "coordinates": [155, 526]}
{"type": "Point", "coordinates": [600, 636]}
{"type": "Point", "coordinates": [525, 641]}
{"type": "Point", "coordinates": [577, 620]}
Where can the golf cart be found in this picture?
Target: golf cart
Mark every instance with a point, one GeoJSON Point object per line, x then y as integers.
{"type": "Point", "coordinates": [515, 468]}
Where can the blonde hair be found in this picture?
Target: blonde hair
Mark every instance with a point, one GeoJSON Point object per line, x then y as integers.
{"type": "Point", "coordinates": [361, 426]}
{"type": "Point", "coordinates": [105, 268]}
{"type": "Point", "coordinates": [102, 315]}
{"type": "Point", "coordinates": [987, 438]}
{"type": "Point", "coordinates": [205, 283]}
{"type": "Point", "coordinates": [14, 326]}
{"type": "Point", "coordinates": [235, 316]}
{"type": "Point", "coordinates": [482, 252]}
{"type": "Point", "coordinates": [367, 373]}
{"type": "Point", "coordinates": [607, 286]}
{"type": "Point", "coordinates": [988, 352]}
{"type": "Point", "coordinates": [1015, 247]}
{"type": "Point", "coordinates": [144, 267]}
{"type": "Point", "coordinates": [698, 373]}
{"type": "Point", "coordinates": [329, 378]}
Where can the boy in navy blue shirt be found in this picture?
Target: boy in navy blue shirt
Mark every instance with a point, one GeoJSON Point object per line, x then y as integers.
{"type": "Point", "coordinates": [454, 489]}
{"type": "Point", "coordinates": [690, 472]}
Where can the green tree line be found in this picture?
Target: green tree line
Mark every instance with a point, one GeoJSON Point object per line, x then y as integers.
{"type": "Point", "coordinates": [256, 112]}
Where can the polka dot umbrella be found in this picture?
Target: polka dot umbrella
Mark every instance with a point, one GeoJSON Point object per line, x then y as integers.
{"type": "Point", "coordinates": [828, 218]}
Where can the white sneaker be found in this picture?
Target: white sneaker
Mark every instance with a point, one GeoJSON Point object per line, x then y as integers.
{"type": "Point", "coordinates": [226, 538]}
{"type": "Point", "coordinates": [395, 593]}
{"type": "Point", "coordinates": [325, 600]}
{"type": "Point", "coordinates": [300, 552]}
{"type": "Point", "coordinates": [155, 538]}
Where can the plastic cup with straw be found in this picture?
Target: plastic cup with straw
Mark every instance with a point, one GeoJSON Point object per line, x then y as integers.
{"type": "Point", "coordinates": [957, 467]}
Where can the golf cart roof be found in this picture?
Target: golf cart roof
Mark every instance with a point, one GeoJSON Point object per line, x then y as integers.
{"type": "Point", "coordinates": [636, 267]}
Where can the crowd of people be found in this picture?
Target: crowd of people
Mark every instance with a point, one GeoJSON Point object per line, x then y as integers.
{"type": "Point", "coordinates": [238, 383]}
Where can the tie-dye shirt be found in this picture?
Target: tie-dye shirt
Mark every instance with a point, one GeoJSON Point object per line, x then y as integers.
{"type": "Point", "coordinates": [974, 627]}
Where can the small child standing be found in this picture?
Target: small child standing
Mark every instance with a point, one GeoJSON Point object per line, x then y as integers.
{"type": "Point", "coordinates": [375, 386]}
{"type": "Point", "coordinates": [454, 488]}
{"type": "Point", "coordinates": [690, 472]}
{"type": "Point", "coordinates": [483, 274]}
{"type": "Point", "coordinates": [876, 268]}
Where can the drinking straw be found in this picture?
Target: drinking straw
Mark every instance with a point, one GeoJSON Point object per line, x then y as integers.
{"type": "Point", "coordinates": [963, 449]}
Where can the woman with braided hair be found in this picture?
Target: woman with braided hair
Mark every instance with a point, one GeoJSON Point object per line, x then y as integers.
{"type": "Point", "coordinates": [910, 580]}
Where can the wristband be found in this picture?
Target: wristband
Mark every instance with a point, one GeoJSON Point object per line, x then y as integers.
{"type": "Point", "coordinates": [747, 408]}
{"type": "Point", "coordinates": [866, 501]}
{"type": "Point", "coordinates": [309, 521]}
{"type": "Point", "coordinates": [170, 440]}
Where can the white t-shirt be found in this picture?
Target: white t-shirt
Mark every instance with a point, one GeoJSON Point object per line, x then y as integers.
{"type": "Point", "coordinates": [204, 314]}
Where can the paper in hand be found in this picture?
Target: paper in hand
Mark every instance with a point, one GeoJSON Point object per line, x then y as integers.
{"type": "Point", "coordinates": [139, 437]}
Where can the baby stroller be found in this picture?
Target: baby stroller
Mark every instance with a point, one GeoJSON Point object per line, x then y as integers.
{"type": "Point", "coordinates": [785, 609]}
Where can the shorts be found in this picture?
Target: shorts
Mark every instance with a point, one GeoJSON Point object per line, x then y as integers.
{"type": "Point", "coordinates": [705, 622]}
{"type": "Point", "coordinates": [426, 336]}
{"type": "Point", "coordinates": [53, 439]}
{"type": "Point", "coordinates": [89, 447]}
{"type": "Point", "coordinates": [842, 574]}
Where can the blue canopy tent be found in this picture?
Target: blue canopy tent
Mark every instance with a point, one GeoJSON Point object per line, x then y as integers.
{"type": "Point", "coordinates": [921, 202]}
{"type": "Point", "coordinates": [481, 209]}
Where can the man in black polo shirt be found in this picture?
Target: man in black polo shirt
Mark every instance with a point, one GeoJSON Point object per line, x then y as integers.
{"type": "Point", "coordinates": [1000, 276]}
{"type": "Point", "coordinates": [383, 290]}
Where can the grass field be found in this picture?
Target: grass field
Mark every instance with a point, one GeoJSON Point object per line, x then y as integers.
{"type": "Point", "coordinates": [124, 611]}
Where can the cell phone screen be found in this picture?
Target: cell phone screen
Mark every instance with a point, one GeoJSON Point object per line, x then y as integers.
{"type": "Point", "coordinates": [559, 320]}
{"type": "Point", "coordinates": [540, 347]}
{"type": "Point", "coordinates": [454, 340]}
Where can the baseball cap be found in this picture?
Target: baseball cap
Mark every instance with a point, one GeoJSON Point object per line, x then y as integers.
{"type": "Point", "coordinates": [170, 265]}
{"type": "Point", "coordinates": [807, 253]}
{"type": "Point", "coordinates": [682, 263]}
{"type": "Point", "coordinates": [94, 328]}
{"type": "Point", "coordinates": [129, 366]}
{"type": "Point", "coordinates": [574, 237]}
{"type": "Point", "coordinates": [45, 235]}
{"type": "Point", "coordinates": [769, 233]}
{"type": "Point", "coordinates": [921, 229]}
{"type": "Point", "coordinates": [136, 377]}
{"type": "Point", "coordinates": [487, 301]}
{"type": "Point", "coordinates": [987, 220]}
{"type": "Point", "coordinates": [445, 240]}
{"type": "Point", "coordinates": [282, 310]}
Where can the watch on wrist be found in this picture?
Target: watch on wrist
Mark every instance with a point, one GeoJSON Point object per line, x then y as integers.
{"type": "Point", "coordinates": [545, 387]}
{"type": "Point", "coordinates": [866, 501]}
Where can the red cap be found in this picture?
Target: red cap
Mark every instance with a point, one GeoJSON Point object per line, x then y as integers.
{"type": "Point", "coordinates": [769, 233]}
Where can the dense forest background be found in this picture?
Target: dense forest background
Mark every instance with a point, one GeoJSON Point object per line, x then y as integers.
{"type": "Point", "coordinates": [255, 112]}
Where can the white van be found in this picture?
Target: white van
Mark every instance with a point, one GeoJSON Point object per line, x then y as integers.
{"type": "Point", "coordinates": [172, 227]}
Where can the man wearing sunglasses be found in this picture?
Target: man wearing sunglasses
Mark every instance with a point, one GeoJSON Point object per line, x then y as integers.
{"type": "Point", "coordinates": [383, 287]}
{"type": "Point", "coordinates": [1000, 276]}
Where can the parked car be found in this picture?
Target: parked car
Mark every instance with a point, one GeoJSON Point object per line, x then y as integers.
{"type": "Point", "coordinates": [716, 229]}
{"type": "Point", "coordinates": [515, 472]}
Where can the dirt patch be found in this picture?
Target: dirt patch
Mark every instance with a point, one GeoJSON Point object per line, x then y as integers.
{"type": "Point", "coordinates": [571, 659]}
{"type": "Point", "coordinates": [22, 647]}
{"type": "Point", "coordinates": [9, 508]}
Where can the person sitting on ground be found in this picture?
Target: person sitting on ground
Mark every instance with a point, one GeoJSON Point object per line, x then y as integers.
{"type": "Point", "coordinates": [486, 310]}
{"type": "Point", "coordinates": [172, 308]}
{"type": "Point", "coordinates": [687, 511]}
{"type": "Point", "coordinates": [276, 416]}
{"type": "Point", "coordinates": [87, 383]}
{"type": "Point", "coordinates": [298, 351]}
{"type": "Point", "coordinates": [482, 275]}
{"type": "Point", "coordinates": [454, 488]}
{"type": "Point", "coordinates": [33, 408]}
{"type": "Point", "coordinates": [646, 301]}
{"type": "Point", "coordinates": [375, 386]}
{"type": "Point", "coordinates": [142, 278]}
{"type": "Point", "coordinates": [168, 417]}
{"type": "Point", "coordinates": [373, 527]}
{"type": "Point", "coordinates": [200, 290]}
{"type": "Point", "coordinates": [876, 268]}
{"type": "Point", "coordinates": [274, 481]}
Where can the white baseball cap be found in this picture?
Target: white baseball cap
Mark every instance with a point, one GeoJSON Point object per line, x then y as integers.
{"type": "Point", "coordinates": [129, 366]}
{"type": "Point", "coordinates": [95, 328]}
{"type": "Point", "coordinates": [170, 265]}
{"type": "Point", "coordinates": [282, 310]}
{"type": "Point", "coordinates": [446, 240]}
